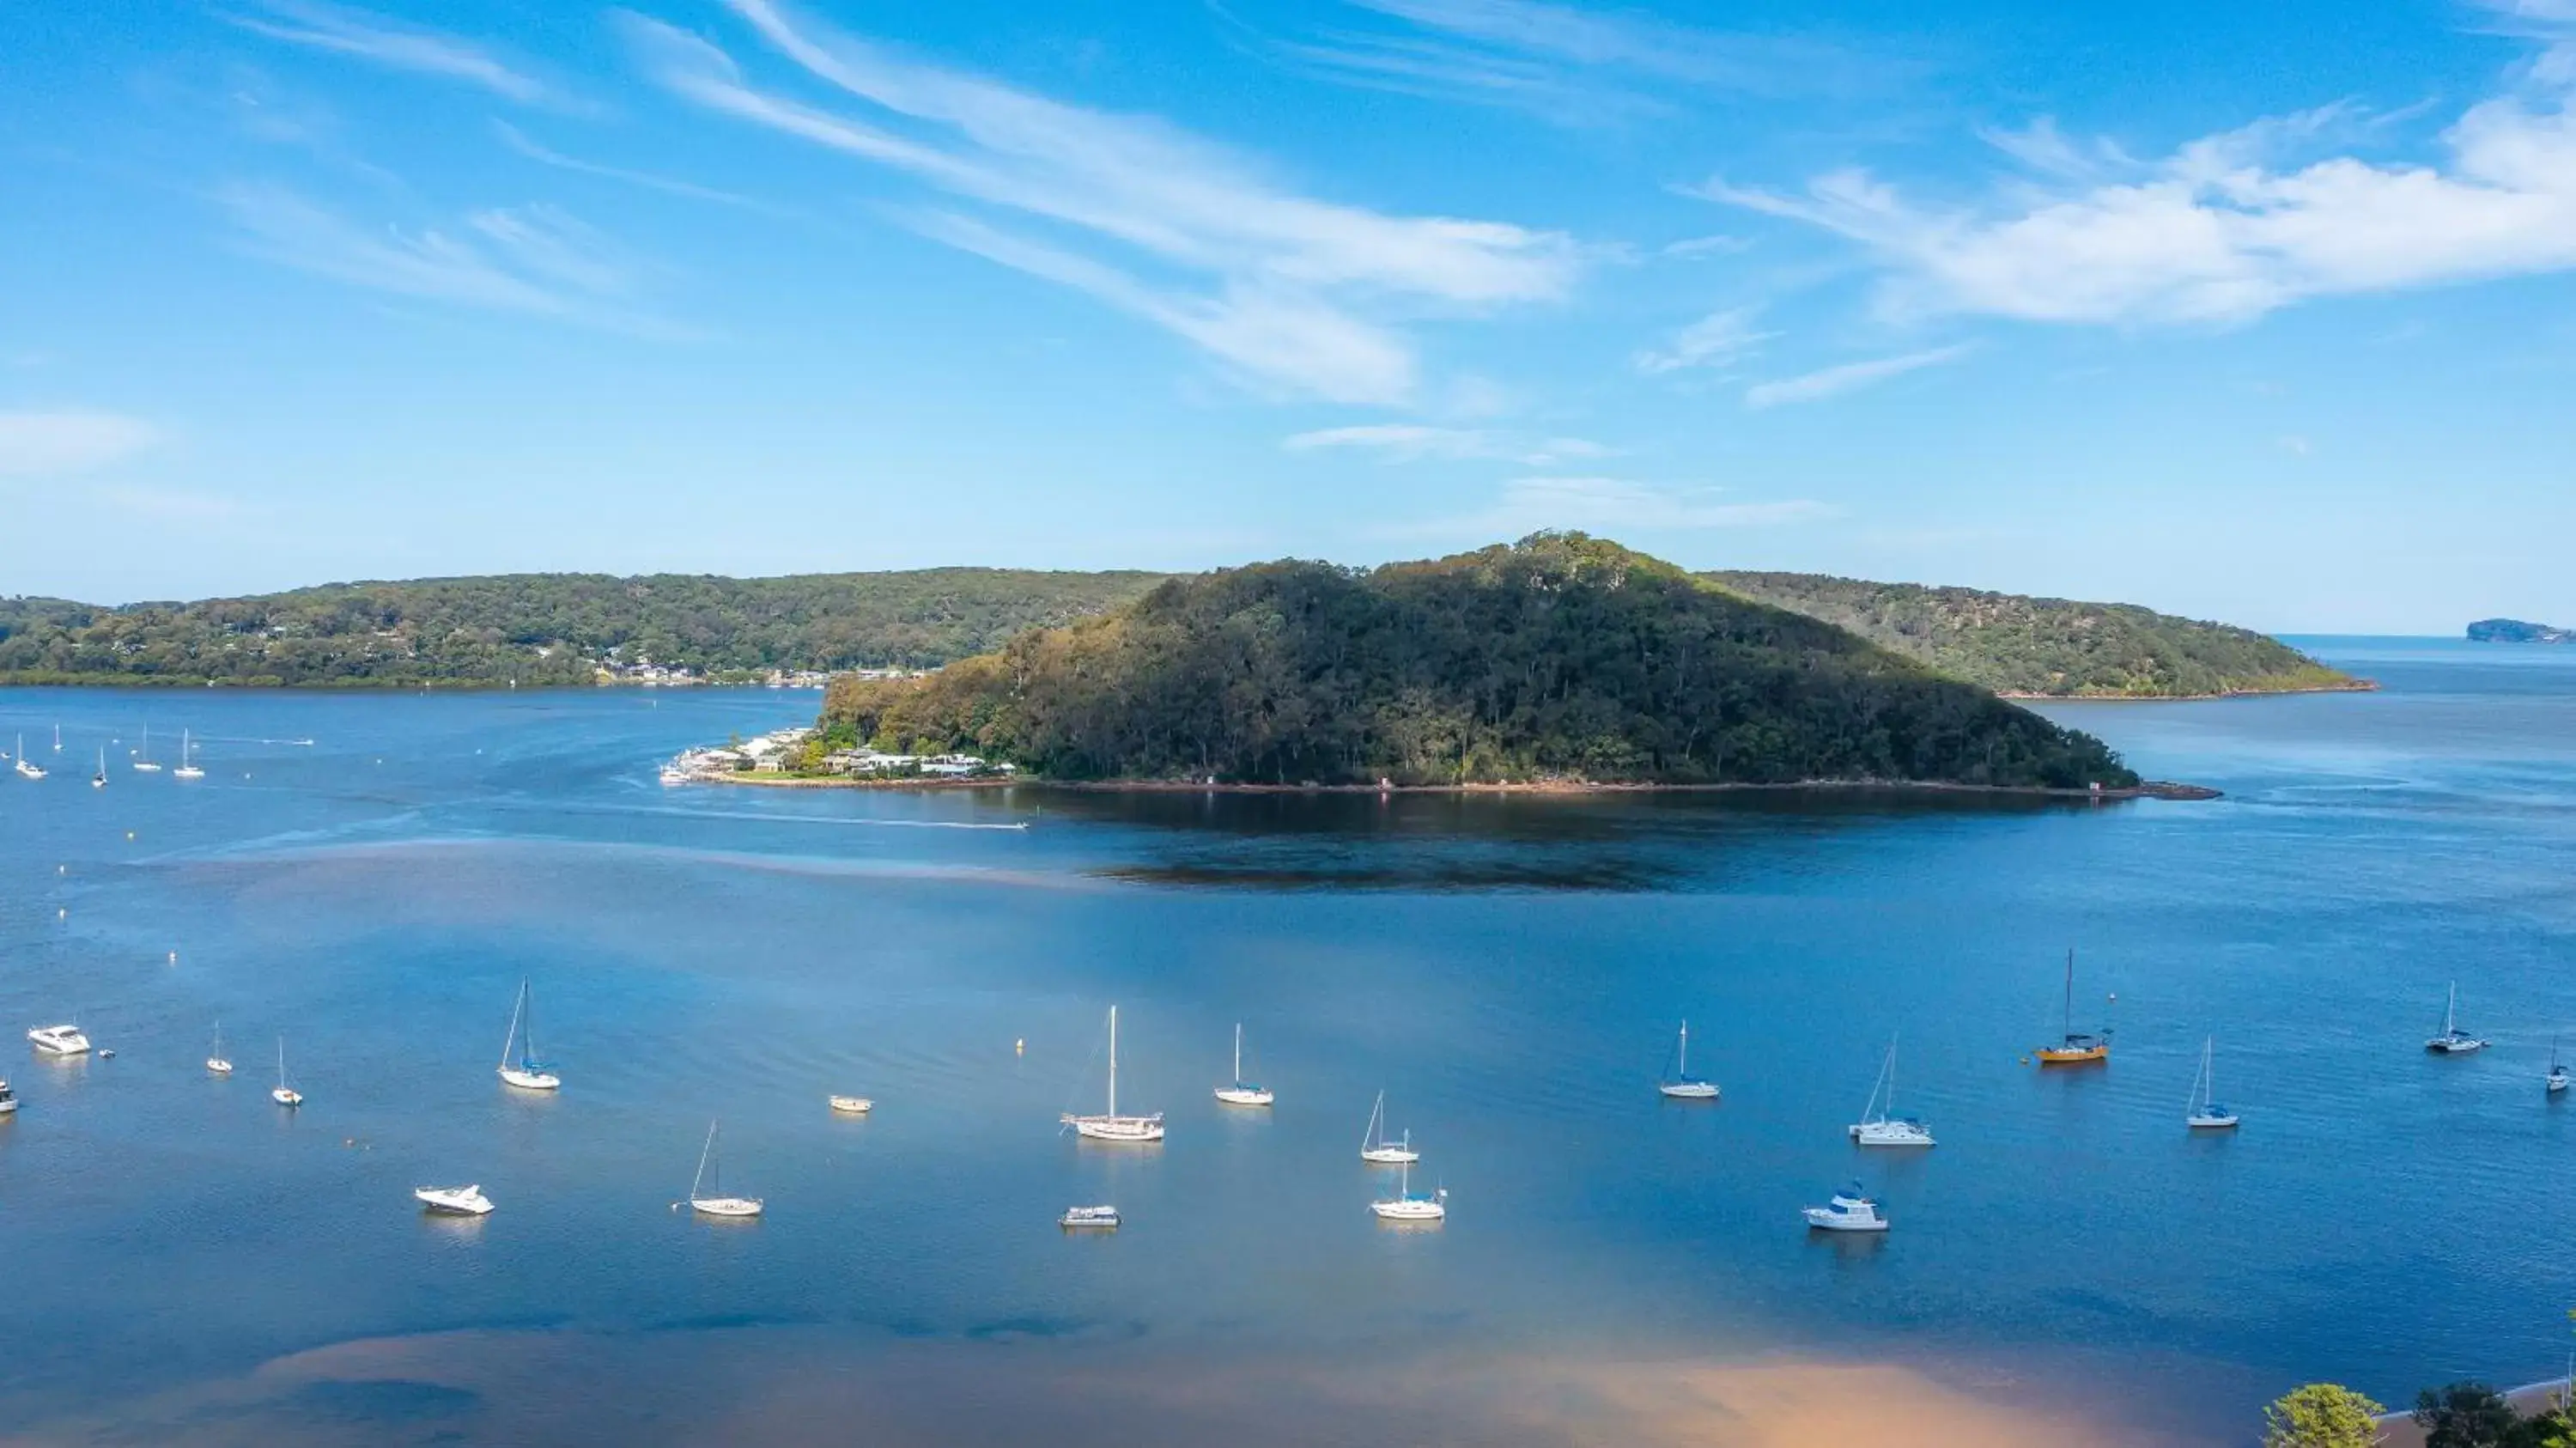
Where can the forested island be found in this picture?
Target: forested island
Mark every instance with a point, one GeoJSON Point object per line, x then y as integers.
{"type": "Point", "coordinates": [1560, 658]}
{"type": "Point", "coordinates": [2516, 631]}
{"type": "Point", "coordinates": [2049, 647]}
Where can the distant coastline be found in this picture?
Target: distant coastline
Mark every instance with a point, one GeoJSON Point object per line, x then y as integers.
{"type": "Point", "coordinates": [2148, 789]}
{"type": "Point", "coordinates": [2348, 686]}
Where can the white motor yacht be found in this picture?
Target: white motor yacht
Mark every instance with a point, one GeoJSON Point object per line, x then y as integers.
{"type": "Point", "coordinates": [1097, 1217]}
{"type": "Point", "coordinates": [1242, 1092]}
{"type": "Point", "coordinates": [705, 1190]}
{"type": "Point", "coordinates": [59, 1040]}
{"type": "Point", "coordinates": [525, 1072]}
{"type": "Point", "coordinates": [2453, 1041]}
{"type": "Point", "coordinates": [1404, 1206]}
{"type": "Point", "coordinates": [1850, 1211]}
{"type": "Point", "coordinates": [1682, 1085]}
{"type": "Point", "coordinates": [1110, 1126]}
{"type": "Point", "coordinates": [1376, 1149]}
{"type": "Point", "coordinates": [1879, 1125]}
{"type": "Point", "coordinates": [8, 1099]}
{"type": "Point", "coordinates": [2205, 1114]}
{"type": "Point", "coordinates": [853, 1105]}
{"type": "Point", "coordinates": [454, 1201]}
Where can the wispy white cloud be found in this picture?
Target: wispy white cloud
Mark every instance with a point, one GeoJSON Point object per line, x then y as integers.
{"type": "Point", "coordinates": [2233, 225]}
{"type": "Point", "coordinates": [1716, 340]}
{"type": "Point", "coordinates": [533, 259]}
{"type": "Point", "coordinates": [1298, 293]}
{"type": "Point", "coordinates": [519, 141]}
{"type": "Point", "coordinates": [392, 44]}
{"type": "Point", "coordinates": [1613, 505]}
{"type": "Point", "coordinates": [73, 440]}
{"type": "Point", "coordinates": [1849, 377]}
{"type": "Point", "coordinates": [1415, 442]}
{"type": "Point", "coordinates": [1695, 248]}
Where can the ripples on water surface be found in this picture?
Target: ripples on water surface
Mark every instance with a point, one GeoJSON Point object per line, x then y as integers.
{"type": "Point", "coordinates": [1508, 970]}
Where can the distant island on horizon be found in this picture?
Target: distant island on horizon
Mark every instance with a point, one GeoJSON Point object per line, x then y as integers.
{"type": "Point", "coordinates": [2516, 631]}
{"type": "Point", "coordinates": [557, 630]}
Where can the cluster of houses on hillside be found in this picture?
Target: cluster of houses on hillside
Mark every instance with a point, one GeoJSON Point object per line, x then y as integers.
{"type": "Point", "coordinates": [784, 750]}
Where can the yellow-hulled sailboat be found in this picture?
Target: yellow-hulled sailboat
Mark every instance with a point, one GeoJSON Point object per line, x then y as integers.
{"type": "Point", "coordinates": [2075, 1047]}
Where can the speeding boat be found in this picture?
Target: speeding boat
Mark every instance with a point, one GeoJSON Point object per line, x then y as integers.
{"type": "Point", "coordinates": [454, 1201]}
{"type": "Point", "coordinates": [2453, 1041]}
{"type": "Point", "coordinates": [1094, 1217]}
{"type": "Point", "coordinates": [59, 1040]}
{"type": "Point", "coordinates": [1850, 1211]}
{"type": "Point", "coordinates": [1682, 1085]}
{"type": "Point", "coordinates": [1110, 1126]}
{"type": "Point", "coordinates": [1242, 1092]}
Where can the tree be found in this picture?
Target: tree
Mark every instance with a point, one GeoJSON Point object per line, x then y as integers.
{"type": "Point", "coordinates": [2321, 1415]}
{"type": "Point", "coordinates": [2464, 1415]}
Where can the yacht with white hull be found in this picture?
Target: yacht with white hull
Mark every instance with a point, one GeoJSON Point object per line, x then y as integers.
{"type": "Point", "coordinates": [1879, 1125]}
{"type": "Point", "coordinates": [1683, 1086]}
{"type": "Point", "coordinates": [1242, 1092]}
{"type": "Point", "coordinates": [706, 1188]}
{"type": "Point", "coordinates": [63, 1040]}
{"type": "Point", "coordinates": [454, 1201]}
{"type": "Point", "coordinates": [1376, 1149]}
{"type": "Point", "coordinates": [1109, 1125]}
{"type": "Point", "coordinates": [1850, 1211]}
{"type": "Point", "coordinates": [525, 1072]}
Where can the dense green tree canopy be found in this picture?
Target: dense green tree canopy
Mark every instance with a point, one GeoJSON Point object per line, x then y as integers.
{"type": "Point", "coordinates": [2045, 646]}
{"type": "Point", "coordinates": [1560, 657]}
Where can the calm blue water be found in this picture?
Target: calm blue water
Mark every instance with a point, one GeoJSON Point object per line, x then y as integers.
{"type": "Point", "coordinates": [1509, 971]}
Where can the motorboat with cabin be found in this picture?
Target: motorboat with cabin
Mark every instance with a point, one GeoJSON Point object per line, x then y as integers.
{"type": "Point", "coordinates": [1100, 1218]}
{"type": "Point", "coordinates": [1851, 1210]}
{"type": "Point", "coordinates": [454, 1201]}
{"type": "Point", "coordinates": [59, 1040]}
{"type": "Point", "coordinates": [852, 1105]}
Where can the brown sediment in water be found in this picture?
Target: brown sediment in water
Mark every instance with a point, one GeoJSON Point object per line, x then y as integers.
{"type": "Point", "coordinates": [791, 1387]}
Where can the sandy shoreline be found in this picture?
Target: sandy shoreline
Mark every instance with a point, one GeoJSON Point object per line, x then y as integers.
{"type": "Point", "coordinates": [2149, 789]}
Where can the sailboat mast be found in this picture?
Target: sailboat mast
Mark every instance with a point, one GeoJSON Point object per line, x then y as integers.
{"type": "Point", "coordinates": [2070, 991]}
{"type": "Point", "coordinates": [1238, 1053]}
{"type": "Point", "coordinates": [705, 1155]}
{"type": "Point", "coordinates": [1685, 1051]}
{"type": "Point", "coordinates": [512, 1039]}
{"type": "Point", "coordinates": [2451, 1011]}
{"type": "Point", "coordinates": [1113, 1060]}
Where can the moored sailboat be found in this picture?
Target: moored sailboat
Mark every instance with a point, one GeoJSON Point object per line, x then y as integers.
{"type": "Point", "coordinates": [1109, 1125]}
{"type": "Point", "coordinates": [216, 1061]}
{"type": "Point", "coordinates": [1376, 1149]}
{"type": "Point", "coordinates": [284, 1095]}
{"type": "Point", "coordinates": [707, 1187]}
{"type": "Point", "coordinates": [1242, 1092]}
{"type": "Point", "coordinates": [2453, 1041]}
{"type": "Point", "coordinates": [526, 1072]}
{"type": "Point", "coordinates": [2074, 1047]}
{"type": "Point", "coordinates": [143, 761]}
{"type": "Point", "coordinates": [187, 759]}
{"type": "Point", "coordinates": [1878, 1124]}
{"type": "Point", "coordinates": [2556, 1081]}
{"type": "Point", "coordinates": [1404, 1206]}
{"type": "Point", "coordinates": [2205, 1113]}
{"type": "Point", "coordinates": [26, 767]}
{"type": "Point", "coordinates": [1682, 1085]}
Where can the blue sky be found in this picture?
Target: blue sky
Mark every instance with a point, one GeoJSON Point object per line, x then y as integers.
{"type": "Point", "coordinates": [2257, 312]}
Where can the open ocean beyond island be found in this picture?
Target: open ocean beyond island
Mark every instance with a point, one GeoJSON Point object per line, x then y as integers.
{"type": "Point", "coordinates": [186, 1263]}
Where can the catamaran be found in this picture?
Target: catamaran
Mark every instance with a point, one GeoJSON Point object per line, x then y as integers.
{"type": "Point", "coordinates": [65, 1040]}
{"type": "Point", "coordinates": [1682, 1085]}
{"type": "Point", "coordinates": [1851, 1211]}
{"type": "Point", "coordinates": [454, 1201]}
{"type": "Point", "coordinates": [525, 1072]}
{"type": "Point", "coordinates": [284, 1095]}
{"type": "Point", "coordinates": [1375, 1148]}
{"type": "Point", "coordinates": [25, 766]}
{"type": "Point", "coordinates": [1242, 1092]}
{"type": "Point", "coordinates": [143, 761]}
{"type": "Point", "coordinates": [187, 760]}
{"type": "Point", "coordinates": [216, 1061]}
{"type": "Point", "coordinates": [1879, 1125]}
{"type": "Point", "coordinates": [2453, 1041]}
{"type": "Point", "coordinates": [704, 1187]}
{"type": "Point", "coordinates": [1109, 1125]}
{"type": "Point", "coordinates": [2205, 1112]}
{"type": "Point", "coordinates": [1404, 1206]}
{"type": "Point", "coordinates": [2074, 1047]}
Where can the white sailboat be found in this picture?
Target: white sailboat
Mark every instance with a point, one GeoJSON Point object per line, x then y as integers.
{"type": "Point", "coordinates": [216, 1061]}
{"type": "Point", "coordinates": [143, 761]}
{"type": "Point", "coordinates": [1879, 1125]}
{"type": "Point", "coordinates": [25, 766]}
{"type": "Point", "coordinates": [1242, 1092]}
{"type": "Point", "coordinates": [284, 1095]}
{"type": "Point", "coordinates": [1683, 1086]}
{"type": "Point", "coordinates": [187, 759]}
{"type": "Point", "coordinates": [1376, 1149]}
{"type": "Point", "coordinates": [526, 1072]}
{"type": "Point", "coordinates": [2205, 1113]}
{"type": "Point", "coordinates": [2557, 1078]}
{"type": "Point", "coordinates": [2453, 1041]}
{"type": "Point", "coordinates": [1404, 1206]}
{"type": "Point", "coordinates": [58, 739]}
{"type": "Point", "coordinates": [1109, 1125]}
{"type": "Point", "coordinates": [454, 1201]}
{"type": "Point", "coordinates": [704, 1188]}
{"type": "Point", "coordinates": [99, 780]}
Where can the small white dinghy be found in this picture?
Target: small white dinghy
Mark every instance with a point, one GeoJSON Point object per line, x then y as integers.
{"type": "Point", "coordinates": [705, 1188]}
{"type": "Point", "coordinates": [454, 1201]}
{"type": "Point", "coordinates": [1682, 1085]}
{"type": "Point", "coordinates": [216, 1061]}
{"type": "Point", "coordinates": [1242, 1092]}
{"type": "Point", "coordinates": [525, 1072]}
{"type": "Point", "coordinates": [2205, 1112]}
{"type": "Point", "coordinates": [284, 1095]}
{"type": "Point", "coordinates": [64, 1040]}
{"type": "Point", "coordinates": [1879, 1125]}
{"type": "Point", "coordinates": [1101, 1217]}
{"type": "Point", "coordinates": [1850, 1211]}
{"type": "Point", "coordinates": [1404, 1206]}
{"type": "Point", "coordinates": [1376, 1149]}
{"type": "Point", "coordinates": [1109, 1125]}
{"type": "Point", "coordinates": [852, 1105]}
